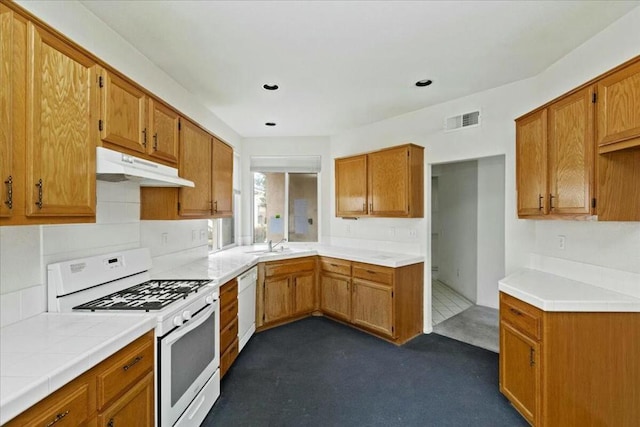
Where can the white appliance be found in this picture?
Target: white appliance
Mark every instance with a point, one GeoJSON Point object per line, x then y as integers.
{"type": "Point", "coordinates": [115, 167]}
{"type": "Point", "coordinates": [247, 305]}
{"type": "Point", "coordinates": [187, 330]}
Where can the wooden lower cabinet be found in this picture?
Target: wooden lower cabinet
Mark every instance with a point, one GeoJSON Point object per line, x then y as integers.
{"type": "Point", "coordinates": [335, 295]}
{"type": "Point", "coordinates": [107, 395]}
{"type": "Point", "coordinates": [287, 290]}
{"type": "Point", "coordinates": [228, 325]}
{"type": "Point", "coordinates": [570, 368]}
{"type": "Point", "coordinates": [372, 307]}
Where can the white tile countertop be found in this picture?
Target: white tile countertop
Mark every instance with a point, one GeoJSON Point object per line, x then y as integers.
{"type": "Point", "coordinates": [225, 265]}
{"type": "Point", "coordinates": [550, 292]}
{"type": "Point", "coordinates": [41, 354]}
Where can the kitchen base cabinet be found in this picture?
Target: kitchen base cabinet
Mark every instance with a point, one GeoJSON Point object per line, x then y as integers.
{"type": "Point", "coordinates": [373, 307]}
{"type": "Point", "coordinates": [570, 368]}
{"type": "Point", "coordinates": [228, 325]}
{"type": "Point", "coordinates": [286, 291]}
{"type": "Point", "coordinates": [117, 392]}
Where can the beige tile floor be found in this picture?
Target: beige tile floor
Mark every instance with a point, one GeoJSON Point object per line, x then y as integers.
{"type": "Point", "coordinates": [446, 302]}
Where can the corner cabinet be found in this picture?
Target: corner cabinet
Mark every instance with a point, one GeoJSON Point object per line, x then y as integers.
{"type": "Point", "coordinates": [286, 290]}
{"type": "Point", "coordinates": [570, 368]}
{"type": "Point", "coordinates": [222, 179]}
{"type": "Point", "coordinates": [385, 183]}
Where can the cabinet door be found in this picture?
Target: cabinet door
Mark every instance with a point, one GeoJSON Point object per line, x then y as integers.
{"type": "Point", "coordinates": [163, 131]}
{"type": "Point", "coordinates": [222, 183]}
{"type": "Point", "coordinates": [277, 298]}
{"type": "Point", "coordinates": [389, 182]}
{"type": "Point", "coordinates": [351, 186]}
{"type": "Point", "coordinates": [133, 409]}
{"type": "Point", "coordinates": [335, 296]}
{"type": "Point", "coordinates": [372, 306]}
{"type": "Point", "coordinates": [195, 165]}
{"type": "Point", "coordinates": [618, 109]}
{"type": "Point", "coordinates": [571, 157]}
{"type": "Point", "coordinates": [61, 149]}
{"type": "Point", "coordinates": [520, 371]}
{"type": "Point", "coordinates": [304, 291]}
{"type": "Point", "coordinates": [6, 122]}
{"type": "Point", "coordinates": [531, 164]}
{"type": "Point", "coordinates": [123, 113]}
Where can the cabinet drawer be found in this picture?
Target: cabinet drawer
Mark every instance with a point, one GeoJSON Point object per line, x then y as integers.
{"type": "Point", "coordinates": [338, 266]}
{"type": "Point", "coordinates": [373, 273]}
{"type": "Point", "coordinates": [124, 369]}
{"type": "Point", "coordinates": [228, 313]}
{"type": "Point", "coordinates": [72, 409]}
{"type": "Point", "coordinates": [293, 266]}
{"type": "Point", "coordinates": [228, 334]}
{"type": "Point", "coordinates": [228, 357]}
{"type": "Point", "coordinates": [228, 293]}
{"type": "Point", "coordinates": [522, 316]}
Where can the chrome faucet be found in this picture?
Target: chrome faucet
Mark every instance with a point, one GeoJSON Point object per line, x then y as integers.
{"type": "Point", "coordinates": [270, 244]}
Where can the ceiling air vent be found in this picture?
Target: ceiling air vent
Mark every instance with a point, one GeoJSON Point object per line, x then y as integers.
{"type": "Point", "coordinates": [462, 121]}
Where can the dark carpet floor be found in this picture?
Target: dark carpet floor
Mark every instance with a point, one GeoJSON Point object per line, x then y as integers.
{"type": "Point", "coordinates": [316, 372]}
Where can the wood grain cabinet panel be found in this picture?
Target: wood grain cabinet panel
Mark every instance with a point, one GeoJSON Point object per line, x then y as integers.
{"type": "Point", "coordinates": [222, 179]}
{"type": "Point", "coordinates": [123, 115]}
{"type": "Point", "coordinates": [133, 409]}
{"type": "Point", "coordinates": [618, 109]}
{"type": "Point", "coordinates": [164, 133]}
{"type": "Point", "coordinates": [228, 325]}
{"type": "Point", "coordinates": [384, 183]}
{"type": "Point", "coordinates": [351, 186]}
{"type": "Point", "coordinates": [570, 368]}
{"type": "Point", "coordinates": [195, 165]}
{"type": "Point", "coordinates": [372, 307]}
{"type": "Point", "coordinates": [335, 295]}
{"type": "Point", "coordinates": [571, 154]}
{"type": "Point", "coordinates": [531, 164]}
{"type": "Point", "coordinates": [62, 100]}
{"type": "Point", "coordinates": [277, 299]}
{"type": "Point", "coordinates": [7, 172]}
{"type": "Point", "coordinates": [304, 293]}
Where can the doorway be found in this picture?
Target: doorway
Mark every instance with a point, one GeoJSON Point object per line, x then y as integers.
{"type": "Point", "coordinates": [467, 246]}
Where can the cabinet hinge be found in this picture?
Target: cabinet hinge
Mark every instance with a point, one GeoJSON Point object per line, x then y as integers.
{"type": "Point", "coordinates": [100, 82]}
{"type": "Point", "coordinates": [100, 125]}
{"type": "Point", "coordinates": [593, 203]}
{"type": "Point", "coordinates": [179, 124]}
{"type": "Point", "coordinates": [594, 97]}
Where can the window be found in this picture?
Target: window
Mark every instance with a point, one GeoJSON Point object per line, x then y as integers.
{"type": "Point", "coordinates": [285, 198]}
{"type": "Point", "coordinates": [285, 204]}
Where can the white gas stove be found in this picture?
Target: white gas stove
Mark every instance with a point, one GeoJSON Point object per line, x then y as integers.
{"type": "Point", "coordinates": [187, 330]}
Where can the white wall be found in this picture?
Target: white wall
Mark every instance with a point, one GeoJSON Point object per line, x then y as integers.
{"type": "Point", "coordinates": [458, 236]}
{"type": "Point", "coordinates": [491, 228]}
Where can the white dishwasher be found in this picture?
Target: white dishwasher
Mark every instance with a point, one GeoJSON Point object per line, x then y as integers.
{"type": "Point", "coordinates": [247, 305]}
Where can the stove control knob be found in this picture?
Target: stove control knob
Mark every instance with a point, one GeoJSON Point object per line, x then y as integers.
{"type": "Point", "coordinates": [209, 299]}
{"type": "Point", "coordinates": [186, 315]}
{"type": "Point", "coordinates": [177, 321]}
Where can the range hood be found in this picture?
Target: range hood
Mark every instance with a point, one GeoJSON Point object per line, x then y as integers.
{"type": "Point", "coordinates": [115, 167]}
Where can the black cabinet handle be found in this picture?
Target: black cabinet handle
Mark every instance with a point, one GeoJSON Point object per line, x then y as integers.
{"type": "Point", "coordinates": [39, 202]}
{"type": "Point", "coordinates": [58, 417]}
{"type": "Point", "coordinates": [9, 201]}
{"type": "Point", "coordinates": [130, 365]}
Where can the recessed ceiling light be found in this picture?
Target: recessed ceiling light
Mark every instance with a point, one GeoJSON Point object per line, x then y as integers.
{"type": "Point", "coordinates": [270, 124]}
{"type": "Point", "coordinates": [423, 83]}
{"type": "Point", "coordinates": [270, 87]}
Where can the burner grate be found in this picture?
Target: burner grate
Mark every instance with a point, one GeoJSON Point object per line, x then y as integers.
{"type": "Point", "coordinates": [148, 296]}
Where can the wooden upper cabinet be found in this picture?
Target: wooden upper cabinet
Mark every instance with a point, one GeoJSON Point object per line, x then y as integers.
{"type": "Point", "coordinates": [123, 113]}
{"type": "Point", "coordinates": [163, 132]}
{"type": "Point", "coordinates": [351, 186]}
{"type": "Point", "coordinates": [222, 179]}
{"type": "Point", "coordinates": [195, 165]}
{"type": "Point", "coordinates": [391, 179]}
{"type": "Point", "coordinates": [61, 149]}
{"type": "Point", "coordinates": [531, 164]}
{"type": "Point", "coordinates": [618, 109]}
{"type": "Point", "coordinates": [571, 154]}
{"type": "Point", "coordinates": [6, 139]}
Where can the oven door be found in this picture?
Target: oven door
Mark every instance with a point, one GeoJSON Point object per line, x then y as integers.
{"type": "Point", "coordinates": [188, 358]}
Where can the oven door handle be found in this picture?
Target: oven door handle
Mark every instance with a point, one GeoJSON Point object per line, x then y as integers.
{"type": "Point", "coordinates": [191, 325]}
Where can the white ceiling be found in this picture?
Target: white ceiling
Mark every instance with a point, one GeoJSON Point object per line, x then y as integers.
{"type": "Point", "coordinates": [342, 64]}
